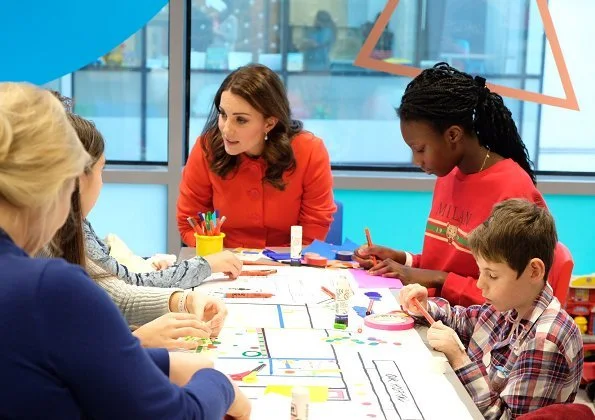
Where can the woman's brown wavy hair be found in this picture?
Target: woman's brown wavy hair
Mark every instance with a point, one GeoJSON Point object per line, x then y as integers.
{"type": "Point", "coordinates": [263, 90]}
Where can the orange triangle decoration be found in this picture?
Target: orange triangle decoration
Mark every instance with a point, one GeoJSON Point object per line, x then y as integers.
{"type": "Point", "coordinates": [364, 59]}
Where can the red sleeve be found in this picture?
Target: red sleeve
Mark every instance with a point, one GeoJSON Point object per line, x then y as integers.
{"type": "Point", "coordinates": [318, 204]}
{"type": "Point", "coordinates": [416, 260]}
{"type": "Point", "coordinates": [460, 290]}
{"type": "Point", "coordinates": [529, 193]}
{"type": "Point", "coordinates": [196, 192]}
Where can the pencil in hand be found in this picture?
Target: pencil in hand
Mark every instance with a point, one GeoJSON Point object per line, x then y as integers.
{"type": "Point", "coordinates": [431, 320]}
{"type": "Point", "coordinates": [423, 310]}
{"type": "Point", "coordinates": [369, 240]}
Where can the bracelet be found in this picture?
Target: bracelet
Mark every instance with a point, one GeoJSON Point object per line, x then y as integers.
{"type": "Point", "coordinates": [182, 301]}
{"type": "Point", "coordinates": [408, 259]}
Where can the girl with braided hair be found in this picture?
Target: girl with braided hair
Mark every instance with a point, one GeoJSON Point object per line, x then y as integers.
{"type": "Point", "coordinates": [463, 133]}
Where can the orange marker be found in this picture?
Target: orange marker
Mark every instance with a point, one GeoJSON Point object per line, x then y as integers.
{"type": "Point", "coordinates": [253, 295]}
{"type": "Point", "coordinates": [219, 223]}
{"type": "Point", "coordinates": [431, 320]}
{"type": "Point", "coordinates": [328, 292]}
{"type": "Point", "coordinates": [197, 229]}
{"type": "Point", "coordinates": [369, 239]}
{"type": "Point", "coordinates": [423, 311]}
{"type": "Point", "coordinates": [257, 273]}
{"type": "Point", "coordinates": [369, 310]}
{"type": "Point", "coordinates": [263, 262]}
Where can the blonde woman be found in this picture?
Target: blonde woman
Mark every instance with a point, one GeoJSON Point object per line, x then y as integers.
{"type": "Point", "coordinates": [66, 351]}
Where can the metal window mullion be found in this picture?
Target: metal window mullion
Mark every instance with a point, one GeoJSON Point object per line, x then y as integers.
{"type": "Point", "coordinates": [177, 107]}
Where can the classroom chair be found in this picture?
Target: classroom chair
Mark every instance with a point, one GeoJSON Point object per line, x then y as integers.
{"type": "Point", "coordinates": [335, 234]}
{"type": "Point", "coordinates": [568, 411]}
{"type": "Point", "coordinates": [561, 271]}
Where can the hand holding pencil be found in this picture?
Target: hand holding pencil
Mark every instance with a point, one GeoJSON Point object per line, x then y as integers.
{"type": "Point", "coordinates": [414, 299]}
{"type": "Point", "coordinates": [369, 241]}
{"type": "Point", "coordinates": [369, 255]}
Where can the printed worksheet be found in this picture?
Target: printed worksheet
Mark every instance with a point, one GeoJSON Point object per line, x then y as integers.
{"type": "Point", "coordinates": [384, 375]}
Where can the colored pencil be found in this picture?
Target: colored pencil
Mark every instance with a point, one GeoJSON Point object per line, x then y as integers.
{"type": "Point", "coordinates": [369, 239]}
{"type": "Point", "coordinates": [431, 320]}
{"type": "Point", "coordinates": [253, 295]}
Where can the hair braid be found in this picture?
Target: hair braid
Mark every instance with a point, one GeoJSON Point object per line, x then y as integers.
{"type": "Point", "coordinates": [445, 96]}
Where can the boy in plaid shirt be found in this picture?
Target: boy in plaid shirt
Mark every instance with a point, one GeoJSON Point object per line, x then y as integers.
{"type": "Point", "coordinates": [523, 350]}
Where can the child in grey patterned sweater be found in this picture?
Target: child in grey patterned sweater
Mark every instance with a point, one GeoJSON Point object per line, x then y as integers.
{"type": "Point", "coordinates": [185, 275]}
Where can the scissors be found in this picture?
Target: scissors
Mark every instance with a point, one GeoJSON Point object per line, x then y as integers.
{"type": "Point", "coordinates": [241, 376]}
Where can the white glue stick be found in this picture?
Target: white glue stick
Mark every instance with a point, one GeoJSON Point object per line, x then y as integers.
{"type": "Point", "coordinates": [342, 295]}
{"type": "Point", "coordinates": [295, 251]}
{"type": "Point", "coordinates": [300, 399]}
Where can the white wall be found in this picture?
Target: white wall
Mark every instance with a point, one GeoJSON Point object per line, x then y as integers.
{"type": "Point", "coordinates": [561, 128]}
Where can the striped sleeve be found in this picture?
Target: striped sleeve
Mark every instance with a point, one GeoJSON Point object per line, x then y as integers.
{"type": "Point", "coordinates": [138, 304]}
{"type": "Point", "coordinates": [460, 319]}
{"type": "Point", "coordinates": [185, 275]}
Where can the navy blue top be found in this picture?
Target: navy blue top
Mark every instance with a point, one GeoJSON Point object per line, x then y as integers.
{"type": "Point", "coordinates": [66, 352]}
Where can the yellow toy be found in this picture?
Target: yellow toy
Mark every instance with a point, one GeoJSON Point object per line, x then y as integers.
{"type": "Point", "coordinates": [581, 322]}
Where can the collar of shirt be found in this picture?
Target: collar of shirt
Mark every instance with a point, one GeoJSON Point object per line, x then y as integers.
{"type": "Point", "coordinates": [539, 305]}
{"type": "Point", "coordinates": [495, 329]}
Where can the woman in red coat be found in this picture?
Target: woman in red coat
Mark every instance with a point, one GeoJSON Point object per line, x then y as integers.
{"type": "Point", "coordinates": [257, 167]}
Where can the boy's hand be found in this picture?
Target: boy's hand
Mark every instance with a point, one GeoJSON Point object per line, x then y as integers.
{"type": "Point", "coordinates": [444, 339]}
{"type": "Point", "coordinates": [363, 255]}
{"type": "Point", "coordinates": [407, 293]}
{"type": "Point", "coordinates": [408, 275]}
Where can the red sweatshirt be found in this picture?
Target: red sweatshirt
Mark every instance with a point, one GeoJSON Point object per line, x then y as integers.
{"type": "Point", "coordinates": [460, 203]}
{"type": "Point", "coordinates": [259, 215]}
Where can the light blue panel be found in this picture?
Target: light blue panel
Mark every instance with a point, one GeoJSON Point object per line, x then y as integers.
{"type": "Point", "coordinates": [48, 39]}
{"type": "Point", "coordinates": [397, 219]}
{"type": "Point", "coordinates": [573, 214]}
{"type": "Point", "coordinates": [136, 213]}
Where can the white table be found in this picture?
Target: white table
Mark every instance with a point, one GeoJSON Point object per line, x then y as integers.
{"type": "Point", "coordinates": [267, 315]}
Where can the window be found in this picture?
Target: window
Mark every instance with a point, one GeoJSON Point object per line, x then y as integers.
{"type": "Point", "coordinates": [225, 35]}
{"type": "Point", "coordinates": [312, 45]}
{"type": "Point", "coordinates": [125, 93]}
{"type": "Point", "coordinates": [351, 108]}
{"type": "Point", "coordinates": [144, 232]}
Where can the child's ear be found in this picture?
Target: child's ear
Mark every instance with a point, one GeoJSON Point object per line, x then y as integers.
{"type": "Point", "coordinates": [536, 269]}
{"type": "Point", "coordinates": [453, 134]}
{"type": "Point", "coordinates": [82, 183]}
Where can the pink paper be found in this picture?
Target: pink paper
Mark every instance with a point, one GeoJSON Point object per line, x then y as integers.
{"type": "Point", "coordinates": [366, 281]}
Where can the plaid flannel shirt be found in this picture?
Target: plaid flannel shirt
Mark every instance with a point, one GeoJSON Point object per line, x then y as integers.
{"type": "Point", "coordinates": [517, 367]}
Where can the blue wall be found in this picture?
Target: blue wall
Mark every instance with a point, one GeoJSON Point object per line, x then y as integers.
{"type": "Point", "coordinates": [137, 213]}
{"type": "Point", "coordinates": [397, 219]}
